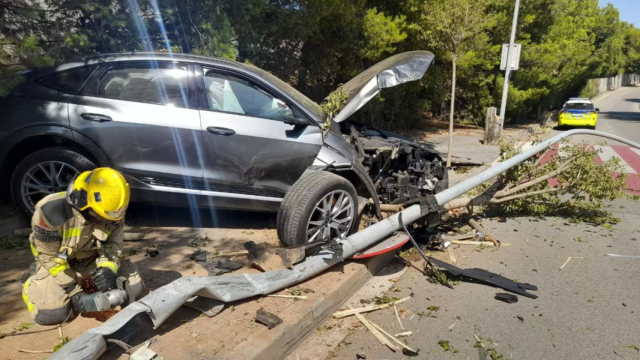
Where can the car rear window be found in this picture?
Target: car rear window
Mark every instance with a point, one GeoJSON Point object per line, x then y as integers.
{"type": "Point", "coordinates": [68, 80]}
{"type": "Point", "coordinates": [161, 83]}
{"type": "Point", "coordinates": [578, 106]}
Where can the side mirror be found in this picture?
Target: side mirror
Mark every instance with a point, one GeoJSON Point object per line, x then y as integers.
{"type": "Point", "coordinates": [597, 109]}
{"type": "Point", "coordinates": [295, 120]}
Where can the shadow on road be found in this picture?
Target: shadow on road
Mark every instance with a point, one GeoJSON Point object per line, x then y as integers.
{"type": "Point", "coordinates": [621, 115]}
{"type": "Point", "coordinates": [565, 128]}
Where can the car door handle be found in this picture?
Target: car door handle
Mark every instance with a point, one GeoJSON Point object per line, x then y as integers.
{"type": "Point", "coordinates": [220, 131]}
{"type": "Point", "coordinates": [96, 117]}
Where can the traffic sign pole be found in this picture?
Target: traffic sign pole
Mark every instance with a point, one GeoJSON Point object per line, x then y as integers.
{"type": "Point", "coordinates": [505, 90]}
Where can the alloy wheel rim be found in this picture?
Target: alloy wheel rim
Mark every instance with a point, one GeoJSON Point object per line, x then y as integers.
{"type": "Point", "coordinates": [44, 178]}
{"type": "Point", "coordinates": [332, 217]}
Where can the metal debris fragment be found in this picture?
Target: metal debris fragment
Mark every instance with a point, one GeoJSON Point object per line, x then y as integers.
{"type": "Point", "coordinates": [267, 318]}
{"type": "Point", "coordinates": [508, 298]}
{"type": "Point", "coordinates": [209, 307]}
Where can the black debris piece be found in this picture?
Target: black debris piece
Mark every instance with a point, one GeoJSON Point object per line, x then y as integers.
{"type": "Point", "coordinates": [220, 265]}
{"type": "Point", "coordinates": [508, 298]}
{"type": "Point", "coordinates": [489, 278]}
{"type": "Point", "coordinates": [224, 263]}
{"type": "Point", "coordinates": [151, 252]}
{"type": "Point", "coordinates": [199, 256]}
{"type": "Point", "coordinates": [215, 266]}
{"type": "Point", "coordinates": [410, 353]}
{"type": "Point", "coordinates": [478, 274]}
{"type": "Point", "coordinates": [361, 356]}
{"type": "Point", "coordinates": [267, 318]}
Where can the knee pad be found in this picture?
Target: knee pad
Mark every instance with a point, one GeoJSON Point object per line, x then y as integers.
{"type": "Point", "coordinates": [54, 316]}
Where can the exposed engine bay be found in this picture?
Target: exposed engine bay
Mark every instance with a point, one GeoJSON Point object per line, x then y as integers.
{"type": "Point", "coordinates": [402, 170]}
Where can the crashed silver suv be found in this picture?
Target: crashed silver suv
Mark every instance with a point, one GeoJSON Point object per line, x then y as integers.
{"type": "Point", "coordinates": [202, 132]}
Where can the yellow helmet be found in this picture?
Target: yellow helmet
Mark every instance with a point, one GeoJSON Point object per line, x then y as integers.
{"type": "Point", "coordinates": [103, 190]}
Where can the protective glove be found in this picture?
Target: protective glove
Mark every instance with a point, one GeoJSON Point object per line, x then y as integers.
{"type": "Point", "coordinates": [104, 278]}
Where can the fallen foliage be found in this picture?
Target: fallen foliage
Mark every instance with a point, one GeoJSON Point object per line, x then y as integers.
{"type": "Point", "coordinates": [447, 347]}
{"type": "Point", "coordinates": [564, 182]}
{"type": "Point", "coordinates": [437, 276]}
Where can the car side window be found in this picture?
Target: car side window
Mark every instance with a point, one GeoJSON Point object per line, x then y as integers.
{"type": "Point", "coordinates": [68, 80]}
{"type": "Point", "coordinates": [145, 82]}
{"type": "Point", "coordinates": [228, 93]}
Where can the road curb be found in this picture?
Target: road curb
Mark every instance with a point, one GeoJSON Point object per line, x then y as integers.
{"type": "Point", "coordinates": [274, 344]}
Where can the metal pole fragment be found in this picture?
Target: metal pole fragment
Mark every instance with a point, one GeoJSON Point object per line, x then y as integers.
{"type": "Point", "coordinates": [162, 302]}
{"type": "Point", "coordinates": [466, 185]}
{"type": "Point", "coordinates": [505, 89]}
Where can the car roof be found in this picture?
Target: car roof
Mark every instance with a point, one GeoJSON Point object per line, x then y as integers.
{"type": "Point", "coordinates": [142, 56]}
{"type": "Point", "coordinates": [132, 56]}
{"type": "Point", "coordinates": [579, 101]}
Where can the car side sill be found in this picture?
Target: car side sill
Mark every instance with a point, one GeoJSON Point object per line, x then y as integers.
{"type": "Point", "coordinates": [214, 193]}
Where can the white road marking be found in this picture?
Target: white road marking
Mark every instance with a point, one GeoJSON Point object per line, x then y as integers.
{"type": "Point", "coordinates": [606, 152]}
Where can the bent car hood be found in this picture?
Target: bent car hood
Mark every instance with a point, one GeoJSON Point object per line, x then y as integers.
{"type": "Point", "coordinates": [392, 71]}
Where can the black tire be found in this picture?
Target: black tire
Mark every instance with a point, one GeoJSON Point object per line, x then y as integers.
{"type": "Point", "coordinates": [299, 203]}
{"type": "Point", "coordinates": [59, 154]}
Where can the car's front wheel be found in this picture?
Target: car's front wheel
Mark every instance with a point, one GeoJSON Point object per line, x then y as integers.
{"type": "Point", "coordinates": [319, 207]}
{"type": "Point", "coordinates": [45, 172]}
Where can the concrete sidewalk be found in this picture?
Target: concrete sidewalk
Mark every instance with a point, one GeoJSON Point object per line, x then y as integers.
{"type": "Point", "coordinates": [468, 147]}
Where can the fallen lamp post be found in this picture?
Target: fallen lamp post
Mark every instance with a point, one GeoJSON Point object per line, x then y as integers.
{"type": "Point", "coordinates": [164, 301]}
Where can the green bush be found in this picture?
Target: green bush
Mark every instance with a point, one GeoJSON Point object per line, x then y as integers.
{"type": "Point", "coordinates": [590, 90]}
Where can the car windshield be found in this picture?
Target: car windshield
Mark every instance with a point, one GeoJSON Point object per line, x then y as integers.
{"type": "Point", "coordinates": [300, 97]}
{"type": "Point", "coordinates": [578, 106]}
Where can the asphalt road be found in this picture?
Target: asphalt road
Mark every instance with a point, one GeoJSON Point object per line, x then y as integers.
{"type": "Point", "coordinates": [588, 310]}
{"type": "Point", "coordinates": [619, 115]}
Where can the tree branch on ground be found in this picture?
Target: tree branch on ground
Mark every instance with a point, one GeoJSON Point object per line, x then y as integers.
{"type": "Point", "coordinates": [573, 186]}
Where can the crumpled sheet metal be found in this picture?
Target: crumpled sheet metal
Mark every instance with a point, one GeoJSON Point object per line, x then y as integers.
{"type": "Point", "coordinates": [390, 72]}
{"type": "Point", "coordinates": [164, 301]}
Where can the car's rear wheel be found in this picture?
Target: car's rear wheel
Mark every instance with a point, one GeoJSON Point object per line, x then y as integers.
{"type": "Point", "coordinates": [319, 207]}
{"type": "Point", "coordinates": [45, 172]}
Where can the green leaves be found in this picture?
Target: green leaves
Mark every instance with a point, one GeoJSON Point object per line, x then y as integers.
{"type": "Point", "coordinates": [382, 33]}
{"type": "Point", "coordinates": [332, 105]}
{"type": "Point", "coordinates": [577, 178]}
{"type": "Point", "coordinates": [447, 347]}
{"type": "Point", "coordinates": [63, 341]}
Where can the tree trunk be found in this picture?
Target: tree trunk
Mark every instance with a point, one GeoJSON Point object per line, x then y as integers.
{"type": "Point", "coordinates": [451, 113]}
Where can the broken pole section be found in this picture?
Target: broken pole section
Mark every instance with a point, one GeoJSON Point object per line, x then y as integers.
{"type": "Point", "coordinates": [492, 127]}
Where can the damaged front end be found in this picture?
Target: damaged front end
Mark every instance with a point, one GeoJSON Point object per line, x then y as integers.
{"type": "Point", "coordinates": [399, 170]}
{"type": "Point", "coordinates": [402, 171]}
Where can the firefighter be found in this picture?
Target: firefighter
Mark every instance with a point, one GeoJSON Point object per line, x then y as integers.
{"type": "Point", "coordinates": [76, 235]}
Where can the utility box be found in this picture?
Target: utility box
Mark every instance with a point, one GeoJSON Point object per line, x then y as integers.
{"type": "Point", "coordinates": [515, 57]}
